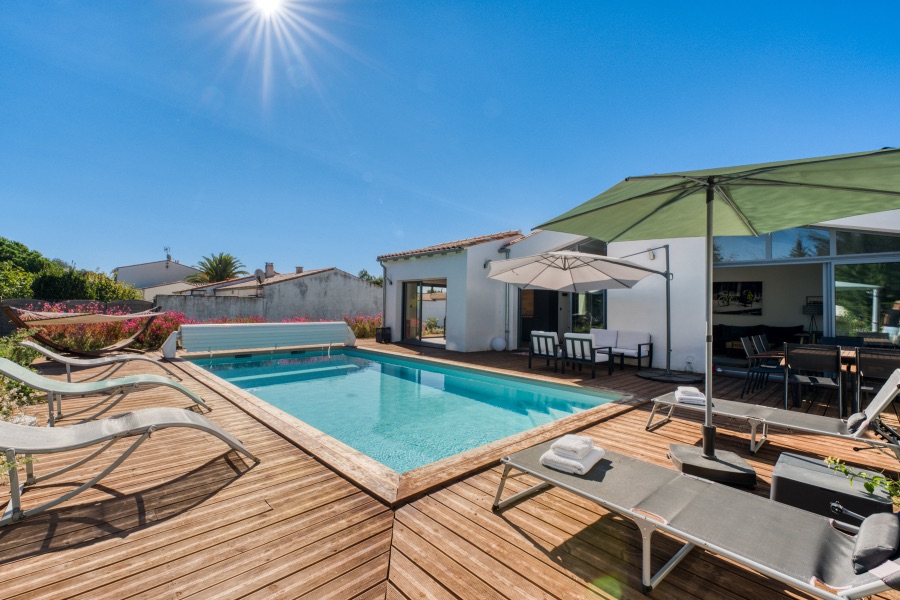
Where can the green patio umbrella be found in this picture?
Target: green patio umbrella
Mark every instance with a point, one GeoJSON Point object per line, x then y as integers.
{"type": "Point", "coordinates": [744, 200]}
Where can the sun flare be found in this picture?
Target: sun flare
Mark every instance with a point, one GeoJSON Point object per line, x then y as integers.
{"type": "Point", "coordinates": [268, 7]}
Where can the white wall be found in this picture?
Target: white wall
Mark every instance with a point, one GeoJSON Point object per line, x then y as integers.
{"type": "Point", "coordinates": [542, 241]}
{"type": "Point", "coordinates": [784, 292]}
{"type": "Point", "coordinates": [485, 317]}
{"type": "Point", "coordinates": [435, 309]}
{"type": "Point", "coordinates": [165, 289]}
{"type": "Point", "coordinates": [887, 221]}
{"type": "Point", "coordinates": [643, 308]}
{"type": "Point", "coordinates": [154, 273]}
{"type": "Point", "coordinates": [452, 267]}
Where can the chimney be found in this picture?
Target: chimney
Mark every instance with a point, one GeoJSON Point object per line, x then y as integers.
{"type": "Point", "coordinates": [298, 269]}
{"type": "Point", "coordinates": [270, 270]}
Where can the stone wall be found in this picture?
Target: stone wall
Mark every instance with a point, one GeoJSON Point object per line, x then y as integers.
{"type": "Point", "coordinates": [323, 296]}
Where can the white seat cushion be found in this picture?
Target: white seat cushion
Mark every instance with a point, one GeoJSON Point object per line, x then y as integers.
{"type": "Point", "coordinates": [629, 340]}
{"type": "Point", "coordinates": [632, 352]}
{"type": "Point", "coordinates": [601, 357]}
{"type": "Point", "coordinates": [539, 344]}
{"type": "Point", "coordinates": [605, 338]}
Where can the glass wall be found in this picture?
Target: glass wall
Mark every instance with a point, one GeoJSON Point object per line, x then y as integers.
{"type": "Point", "coordinates": [864, 295]}
{"type": "Point", "coordinates": [588, 310]}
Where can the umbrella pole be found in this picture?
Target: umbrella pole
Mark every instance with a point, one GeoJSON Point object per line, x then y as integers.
{"type": "Point", "coordinates": [668, 276]}
{"type": "Point", "coordinates": [709, 431]}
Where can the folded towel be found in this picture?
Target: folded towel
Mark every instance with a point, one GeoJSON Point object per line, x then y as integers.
{"type": "Point", "coordinates": [690, 391]}
{"type": "Point", "coordinates": [689, 398]}
{"type": "Point", "coordinates": [573, 446]}
{"type": "Point", "coordinates": [573, 466]}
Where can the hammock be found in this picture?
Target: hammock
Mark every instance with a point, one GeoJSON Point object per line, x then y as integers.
{"type": "Point", "coordinates": [28, 319]}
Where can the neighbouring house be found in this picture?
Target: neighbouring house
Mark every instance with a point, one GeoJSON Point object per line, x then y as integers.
{"type": "Point", "coordinates": [151, 274]}
{"type": "Point", "coordinates": [318, 294]}
{"type": "Point", "coordinates": [164, 289]}
{"type": "Point", "coordinates": [837, 278]}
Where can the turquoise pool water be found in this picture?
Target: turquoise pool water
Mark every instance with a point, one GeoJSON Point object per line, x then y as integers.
{"type": "Point", "coordinates": [404, 414]}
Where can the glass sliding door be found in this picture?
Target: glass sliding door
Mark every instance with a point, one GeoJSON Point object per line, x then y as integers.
{"type": "Point", "coordinates": [412, 311]}
{"type": "Point", "coordinates": [864, 297]}
{"type": "Point", "coordinates": [588, 311]}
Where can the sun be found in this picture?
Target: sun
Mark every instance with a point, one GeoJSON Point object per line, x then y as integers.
{"type": "Point", "coordinates": [268, 8]}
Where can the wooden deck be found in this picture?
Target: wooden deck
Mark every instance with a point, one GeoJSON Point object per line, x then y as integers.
{"type": "Point", "coordinates": [183, 518]}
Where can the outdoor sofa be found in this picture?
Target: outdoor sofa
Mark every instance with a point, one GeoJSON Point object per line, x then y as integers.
{"type": "Point", "coordinates": [625, 344]}
{"type": "Point", "coordinates": [791, 545]}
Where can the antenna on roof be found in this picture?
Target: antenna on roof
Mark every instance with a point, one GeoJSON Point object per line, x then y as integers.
{"type": "Point", "coordinates": [168, 250]}
{"type": "Point", "coordinates": [260, 276]}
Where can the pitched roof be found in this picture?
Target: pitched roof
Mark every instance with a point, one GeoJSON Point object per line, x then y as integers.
{"type": "Point", "coordinates": [155, 262]}
{"type": "Point", "coordinates": [277, 278]}
{"type": "Point", "coordinates": [453, 246]}
{"type": "Point", "coordinates": [523, 237]}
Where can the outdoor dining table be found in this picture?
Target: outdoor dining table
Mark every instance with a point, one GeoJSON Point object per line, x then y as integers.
{"type": "Point", "coordinates": [848, 358]}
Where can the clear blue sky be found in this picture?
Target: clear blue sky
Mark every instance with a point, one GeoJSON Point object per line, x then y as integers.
{"type": "Point", "coordinates": [371, 126]}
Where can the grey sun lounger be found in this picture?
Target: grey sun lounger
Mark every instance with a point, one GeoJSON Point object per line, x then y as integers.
{"type": "Point", "coordinates": [120, 386]}
{"type": "Point", "coordinates": [797, 547]}
{"type": "Point", "coordinates": [852, 429]}
{"type": "Point", "coordinates": [115, 361]}
{"type": "Point", "coordinates": [23, 441]}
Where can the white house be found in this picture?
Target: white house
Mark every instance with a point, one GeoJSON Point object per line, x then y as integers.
{"type": "Point", "coordinates": [831, 279]}
{"type": "Point", "coordinates": [145, 275]}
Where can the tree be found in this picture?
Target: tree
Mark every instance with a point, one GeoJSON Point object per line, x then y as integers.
{"type": "Point", "coordinates": [366, 276]}
{"type": "Point", "coordinates": [217, 267]}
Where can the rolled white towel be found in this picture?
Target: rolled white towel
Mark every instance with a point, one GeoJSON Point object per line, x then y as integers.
{"type": "Point", "coordinates": [573, 446]}
{"type": "Point", "coordinates": [573, 466]}
{"type": "Point", "coordinates": [689, 398]}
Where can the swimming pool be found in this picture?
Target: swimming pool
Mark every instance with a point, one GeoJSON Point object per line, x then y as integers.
{"type": "Point", "coordinates": [402, 413]}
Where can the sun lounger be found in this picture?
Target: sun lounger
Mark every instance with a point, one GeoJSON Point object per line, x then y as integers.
{"type": "Point", "coordinates": [120, 386]}
{"type": "Point", "coordinates": [853, 428]}
{"type": "Point", "coordinates": [20, 441]}
{"type": "Point", "coordinates": [116, 361]}
{"type": "Point", "coordinates": [792, 545]}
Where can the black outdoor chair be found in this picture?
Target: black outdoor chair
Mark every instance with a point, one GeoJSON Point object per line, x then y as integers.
{"type": "Point", "coordinates": [813, 366]}
{"type": "Point", "coordinates": [578, 350]}
{"type": "Point", "coordinates": [873, 367]}
{"type": "Point", "coordinates": [758, 370]}
{"type": "Point", "coordinates": [545, 344]}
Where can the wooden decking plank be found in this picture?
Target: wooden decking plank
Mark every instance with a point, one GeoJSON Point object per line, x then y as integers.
{"type": "Point", "coordinates": [487, 542]}
{"type": "Point", "coordinates": [378, 591]}
{"type": "Point", "coordinates": [439, 566]}
{"type": "Point", "coordinates": [188, 544]}
{"type": "Point", "coordinates": [480, 564]}
{"type": "Point", "coordinates": [409, 581]}
{"type": "Point", "coordinates": [238, 563]}
{"type": "Point", "coordinates": [345, 553]}
{"type": "Point", "coordinates": [286, 554]}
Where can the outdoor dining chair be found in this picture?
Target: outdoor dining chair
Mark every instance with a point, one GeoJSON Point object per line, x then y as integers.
{"type": "Point", "coordinates": [812, 366]}
{"type": "Point", "coordinates": [873, 367]}
{"type": "Point", "coordinates": [758, 370]}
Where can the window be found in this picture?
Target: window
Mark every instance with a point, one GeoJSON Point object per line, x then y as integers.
{"type": "Point", "coordinates": [800, 243]}
{"type": "Point", "coordinates": [854, 242]}
{"type": "Point", "coordinates": [731, 248]}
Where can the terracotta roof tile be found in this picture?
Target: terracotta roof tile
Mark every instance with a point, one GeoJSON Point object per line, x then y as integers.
{"type": "Point", "coordinates": [451, 246]}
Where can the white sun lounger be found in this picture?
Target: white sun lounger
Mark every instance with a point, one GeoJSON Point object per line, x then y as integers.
{"type": "Point", "coordinates": [791, 545]}
{"type": "Point", "coordinates": [852, 429]}
{"type": "Point", "coordinates": [116, 361]}
{"type": "Point", "coordinates": [23, 441]}
{"type": "Point", "coordinates": [120, 386]}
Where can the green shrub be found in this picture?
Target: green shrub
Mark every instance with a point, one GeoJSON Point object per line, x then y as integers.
{"type": "Point", "coordinates": [15, 282]}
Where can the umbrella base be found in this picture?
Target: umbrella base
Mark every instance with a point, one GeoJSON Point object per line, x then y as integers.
{"type": "Point", "coordinates": [724, 467]}
{"type": "Point", "coordinates": [670, 376]}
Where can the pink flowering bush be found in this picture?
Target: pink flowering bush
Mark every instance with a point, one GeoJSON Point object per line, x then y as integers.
{"type": "Point", "coordinates": [363, 326]}
{"type": "Point", "coordinates": [98, 335]}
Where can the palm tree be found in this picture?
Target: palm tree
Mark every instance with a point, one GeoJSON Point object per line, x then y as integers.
{"type": "Point", "coordinates": [217, 267]}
